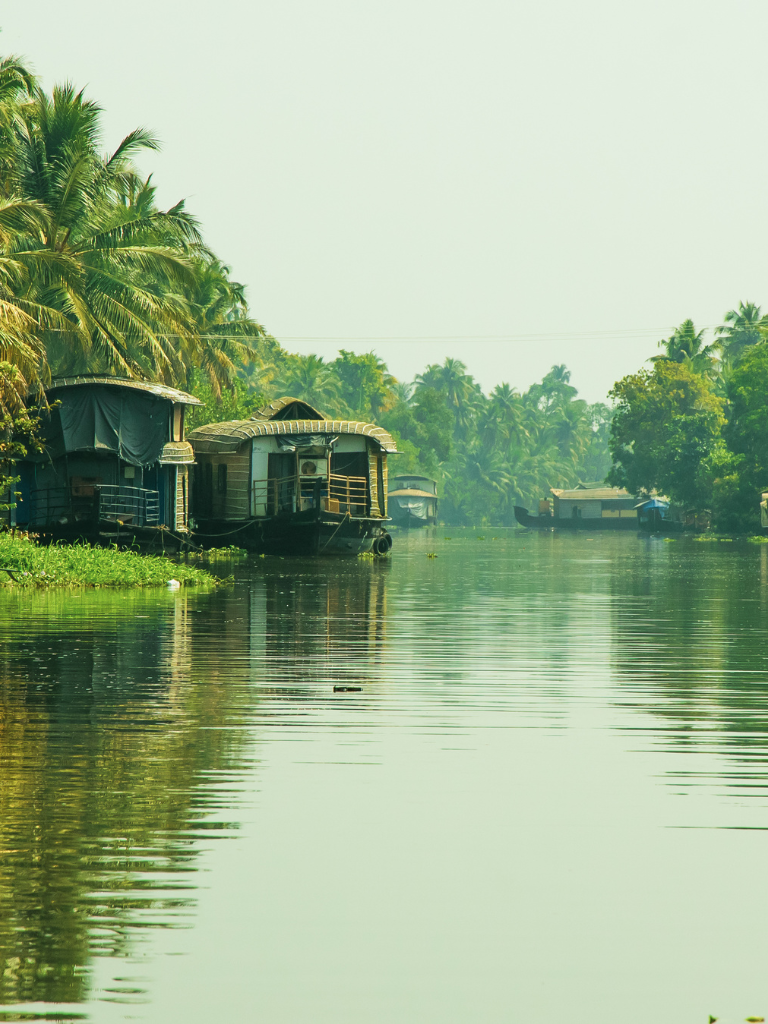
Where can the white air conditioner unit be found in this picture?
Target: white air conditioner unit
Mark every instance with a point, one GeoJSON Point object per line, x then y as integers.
{"type": "Point", "coordinates": [310, 468]}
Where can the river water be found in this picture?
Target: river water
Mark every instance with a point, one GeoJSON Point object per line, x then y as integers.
{"type": "Point", "coordinates": [547, 800]}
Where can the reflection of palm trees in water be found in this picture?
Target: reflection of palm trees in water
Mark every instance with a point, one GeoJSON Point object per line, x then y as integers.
{"type": "Point", "coordinates": [693, 652]}
{"type": "Point", "coordinates": [100, 752]}
{"type": "Point", "coordinates": [112, 709]}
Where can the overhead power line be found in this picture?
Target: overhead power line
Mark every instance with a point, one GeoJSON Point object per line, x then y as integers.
{"type": "Point", "coordinates": [622, 334]}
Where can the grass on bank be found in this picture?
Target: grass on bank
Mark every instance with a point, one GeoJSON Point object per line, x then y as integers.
{"type": "Point", "coordinates": [25, 563]}
{"type": "Point", "coordinates": [717, 538]}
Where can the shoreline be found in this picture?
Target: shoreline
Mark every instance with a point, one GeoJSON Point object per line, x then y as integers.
{"type": "Point", "coordinates": [27, 564]}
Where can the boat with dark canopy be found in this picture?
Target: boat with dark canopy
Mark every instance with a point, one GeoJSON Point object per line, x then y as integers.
{"type": "Point", "coordinates": [114, 466]}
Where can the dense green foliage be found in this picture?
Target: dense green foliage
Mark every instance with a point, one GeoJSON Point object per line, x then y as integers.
{"type": "Point", "coordinates": [494, 451]}
{"type": "Point", "coordinates": [80, 565]}
{"type": "Point", "coordinates": [694, 429]}
{"type": "Point", "coordinates": [95, 277]}
{"type": "Point", "coordinates": [666, 429]}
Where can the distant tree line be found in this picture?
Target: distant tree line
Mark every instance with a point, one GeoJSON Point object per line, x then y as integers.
{"type": "Point", "coordinates": [694, 426]}
{"type": "Point", "coordinates": [489, 452]}
{"type": "Point", "coordinates": [96, 278]}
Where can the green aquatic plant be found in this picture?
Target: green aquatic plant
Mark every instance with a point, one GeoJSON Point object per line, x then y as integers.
{"type": "Point", "coordinates": [229, 552]}
{"type": "Point", "coordinates": [26, 563]}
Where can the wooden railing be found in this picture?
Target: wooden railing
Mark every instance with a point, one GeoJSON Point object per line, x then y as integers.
{"type": "Point", "coordinates": [350, 493]}
{"type": "Point", "coordinates": [289, 494]}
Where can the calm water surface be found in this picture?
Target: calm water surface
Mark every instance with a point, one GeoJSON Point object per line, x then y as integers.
{"type": "Point", "coordinates": [549, 799]}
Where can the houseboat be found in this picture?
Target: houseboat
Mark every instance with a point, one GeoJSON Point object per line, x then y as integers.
{"type": "Point", "coordinates": [583, 508]}
{"type": "Point", "coordinates": [603, 508]}
{"type": "Point", "coordinates": [413, 501]}
{"type": "Point", "coordinates": [114, 466]}
{"type": "Point", "coordinates": [291, 481]}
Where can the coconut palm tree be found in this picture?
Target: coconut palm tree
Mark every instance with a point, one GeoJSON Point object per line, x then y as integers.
{"type": "Point", "coordinates": [224, 330]}
{"type": "Point", "coordinates": [501, 421]}
{"type": "Point", "coordinates": [23, 321]}
{"type": "Point", "coordinates": [741, 328]}
{"type": "Point", "coordinates": [129, 264]}
{"type": "Point", "coordinates": [365, 384]}
{"type": "Point", "coordinates": [463, 395]}
{"type": "Point", "coordinates": [686, 345]}
{"type": "Point", "coordinates": [311, 379]}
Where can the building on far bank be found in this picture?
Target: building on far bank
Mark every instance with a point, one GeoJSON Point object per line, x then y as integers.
{"type": "Point", "coordinates": [593, 503]}
{"type": "Point", "coordinates": [583, 508]}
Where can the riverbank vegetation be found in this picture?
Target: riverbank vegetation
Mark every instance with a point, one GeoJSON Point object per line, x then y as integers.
{"type": "Point", "coordinates": [694, 425]}
{"type": "Point", "coordinates": [26, 564]}
{"type": "Point", "coordinates": [96, 277]}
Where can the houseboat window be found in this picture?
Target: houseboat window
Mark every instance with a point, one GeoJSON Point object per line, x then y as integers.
{"type": "Point", "coordinates": [350, 464]}
{"type": "Point", "coordinates": [222, 478]}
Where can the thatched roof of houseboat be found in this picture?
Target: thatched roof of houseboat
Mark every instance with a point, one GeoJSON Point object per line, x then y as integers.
{"type": "Point", "coordinates": [288, 408]}
{"type": "Point", "coordinates": [591, 493]}
{"type": "Point", "coordinates": [159, 390]}
{"type": "Point", "coordinates": [177, 453]}
{"type": "Point", "coordinates": [410, 492]}
{"type": "Point", "coordinates": [221, 438]}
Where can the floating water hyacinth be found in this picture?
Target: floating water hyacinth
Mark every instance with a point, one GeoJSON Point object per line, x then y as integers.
{"type": "Point", "coordinates": [25, 563]}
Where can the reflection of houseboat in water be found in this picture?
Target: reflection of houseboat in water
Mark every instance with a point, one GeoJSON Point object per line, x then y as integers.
{"type": "Point", "coordinates": [599, 508]}
{"type": "Point", "coordinates": [413, 500]}
{"type": "Point", "coordinates": [114, 467]}
{"type": "Point", "coordinates": [290, 481]}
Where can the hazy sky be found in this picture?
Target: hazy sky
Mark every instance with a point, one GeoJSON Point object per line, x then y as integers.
{"type": "Point", "coordinates": [574, 178]}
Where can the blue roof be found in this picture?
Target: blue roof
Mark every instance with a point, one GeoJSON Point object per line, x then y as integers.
{"type": "Point", "coordinates": [653, 503]}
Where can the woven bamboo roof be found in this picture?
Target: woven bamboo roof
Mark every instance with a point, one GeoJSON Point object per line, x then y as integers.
{"type": "Point", "coordinates": [591, 494]}
{"type": "Point", "coordinates": [303, 409]}
{"type": "Point", "coordinates": [411, 492]}
{"type": "Point", "coordinates": [159, 390]}
{"type": "Point", "coordinates": [221, 438]}
{"type": "Point", "coordinates": [177, 453]}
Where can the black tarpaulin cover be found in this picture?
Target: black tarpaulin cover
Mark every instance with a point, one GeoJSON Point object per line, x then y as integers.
{"type": "Point", "coordinates": [293, 441]}
{"type": "Point", "coordinates": [131, 424]}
